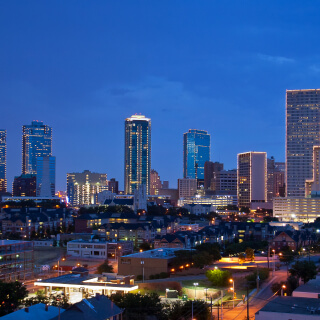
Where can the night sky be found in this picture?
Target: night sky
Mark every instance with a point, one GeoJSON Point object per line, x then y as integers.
{"type": "Point", "coordinates": [82, 67]}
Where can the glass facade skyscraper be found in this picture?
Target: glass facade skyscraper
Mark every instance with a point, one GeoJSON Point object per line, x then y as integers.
{"type": "Point", "coordinates": [302, 134]}
{"type": "Point", "coordinates": [196, 151]}
{"type": "Point", "coordinates": [46, 176]}
{"type": "Point", "coordinates": [137, 153]}
{"type": "Point", "coordinates": [3, 160]}
{"type": "Point", "coordinates": [36, 142]}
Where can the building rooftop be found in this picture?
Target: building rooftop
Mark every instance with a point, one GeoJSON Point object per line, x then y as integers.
{"type": "Point", "coordinates": [37, 311]}
{"type": "Point", "coordinates": [10, 242]}
{"type": "Point", "coordinates": [311, 286]}
{"type": "Point", "coordinates": [294, 305]}
{"type": "Point", "coordinates": [163, 253]}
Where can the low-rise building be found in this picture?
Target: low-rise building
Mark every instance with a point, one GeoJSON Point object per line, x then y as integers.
{"type": "Point", "coordinates": [99, 249]}
{"type": "Point", "coordinates": [290, 308]}
{"type": "Point", "coordinates": [311, 289]}
{"type": "Point", "coordinates": [170, 241]}
{"type": "Point", "coordinates": [16, 260]}
{"type": "Point", "coordinates": [300, 209]}
{"type": "Point", "coordinates": [82, 285]}
{"type": "Point", "coordinates": [146, 263]}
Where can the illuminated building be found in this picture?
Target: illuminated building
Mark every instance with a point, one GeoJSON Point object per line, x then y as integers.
{"type": "Point", "coordinates": [24, 186]}
{"type": "Point", "coordinates": [313, 185]}
{"type": "Point", "coordinates": [252, 178]}
{"type": "Point", "coordinates": [155, 183]}
{"type": "Point", "coordinates": [137, 153]}
{"type": "Point", "coordinates": [36, 142]}
{"type": "Point", "coordinates": [113, 185]}
{"type": "Point", "coordinates": [302, 134]}
{"type": "Point", "coordinates": [297, 209]}
{"type": "Point", "coordinates": [46, 176]}
{"type": "Point", "coordinates": [210, 168]}
{"type": "Point", "coordinates": [275, 179]}
{"type": "Point", "coordinates": [3, 160]}
{"type": "Point", "coordinates": [196, 151]}
{"type": "Point", "coordinates": [83, 188]}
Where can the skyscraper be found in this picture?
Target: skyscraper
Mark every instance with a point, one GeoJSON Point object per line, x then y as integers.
{"type": "Point", "coordinates": [3, 160]}
{"type": "Point", "coordinates": [36, 142]}
{"type": "Point", "coordinates": [302, 134]}
{"type": "Point", "coordinates": [46, 176]}
{"type": "Point", "coordinates": [252, 178]}
{"type": "Point", "coordinates": [137, 153]}
{"type": "Point", "coordinates": [196, 151]}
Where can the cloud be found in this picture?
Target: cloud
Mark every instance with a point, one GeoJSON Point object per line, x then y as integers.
{"type": "Point", "coordinates": [275, 59]}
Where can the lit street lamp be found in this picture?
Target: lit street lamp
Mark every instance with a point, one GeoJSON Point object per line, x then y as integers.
{"type": "Point", "coordinates": [195, 289]}
{"type": "Point", "coordinates": [232, 281]}
{"type": "Point", "coordinates": [283, 287]}
{"type": "Point", "coordinates": [58, 266]}
{"type": "Point", "coordinates": [274, 262]}
{"type": "Point", "coordinates": [142, 263]}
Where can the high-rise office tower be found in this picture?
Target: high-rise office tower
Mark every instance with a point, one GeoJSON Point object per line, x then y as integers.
{"type": "Point", "coordinates": [302, 134]}
{"type": "Point", "coordinates": [46, 176]}
{"type": "Point", "coordinates": [3, 160]}
{"type": "Point", "coordinates": [83, 187]}
{"type": "Point", "coordinates": [210, 168]}
{"type": "Point", "coordinates": [196, 151]}
{"type": "Point", "coordinates": [252, 178]}
{"type": "Point", "coordinates": [313, 185]}
{"type": "Point", "coordinates": [113, 185]}
{"type": "Point", "coordinates": [36, 142]}
{"type": "Point", "coordinates": [137, 153]}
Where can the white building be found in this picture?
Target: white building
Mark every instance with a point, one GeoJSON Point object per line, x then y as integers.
{"type": "Point", "coordinates": [296, 209]}
{"type": "Point", "coordinates": [252, 178]}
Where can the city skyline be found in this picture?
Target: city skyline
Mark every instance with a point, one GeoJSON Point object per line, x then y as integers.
{"type": "Point", "coordinates": [226, 73]}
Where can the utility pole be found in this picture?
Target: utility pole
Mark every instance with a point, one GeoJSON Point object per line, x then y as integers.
{"type": "Point", "coordinates": [218, 310]}
{"type": "Point", "coordinates": [258, 278]}
{"type": "Point", "coordinates": [211, 310]}
{"type": "Point", "coordinates": [221, 304]}
{"type": "Point", "coordinates": [268, 256]}
{"type": "Point", "coordinates": [247, 302]}
{"type": "Point", "coordinates": [192, 310]}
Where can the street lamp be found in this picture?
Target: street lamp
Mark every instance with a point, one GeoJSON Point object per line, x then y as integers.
{"type": "Point", "coordinates": [195, 289]}
{"type": "Point", "coordinates": [206, 293]}
{"type": "Point", "coordinates": [232, 281]}
{"type": "Point", "coordinates": [282, 287]}
{"type": "Point", "coordinates": [62, 259]}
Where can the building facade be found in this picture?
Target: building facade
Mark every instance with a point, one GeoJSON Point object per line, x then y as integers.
{"type": "Point", "coordinates": [83, 187]}
{"type": "Point", "coordinates": [3, 160]}
{"type": "Point", "coordinates": [297, 209]}
{"type": "Point", "coordinates": [16, 260]}
{"type": "Point", "coordinates": [196, 151]}
{"type": "Point", "coordinates": [302, 134]}
{"type": "Point", "coordinates": [313, 185]}
{"type": "Point", "coordinates": [46, 176]}
{"type": "Point", "coordinates": [252, 178]}
{"type": "Point", "coordinates": [187, 188]}
{"type": "Point", "coordinates": [36, 142]}
{"type": "Point", "coordinates": [137, 153]}
{"type": "Point", "coordinates": [210, 168]}
{"type": "Point", "coordinates": [224, 182]}
{"type": "Point", "coordinates": [155, 183]}
{"type": "Point", "coordinates": [113, 185]}
{"type": "Point", "coordinates": [24, 186]}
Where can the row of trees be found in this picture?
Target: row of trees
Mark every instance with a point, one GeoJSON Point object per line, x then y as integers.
{"type": "Point", "coordinates": [137, 306]}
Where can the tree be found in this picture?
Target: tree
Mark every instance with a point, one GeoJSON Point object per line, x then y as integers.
{"type": "Point", "coordinates": [218, 277]}
{"type": "Point", "coordinates": [104, 267]}
{"type": "Point", "coordinates": [145, 246]}
{"type": "Point", "coordinates": [139, 306]}
{"type": "Point", "coordinates": [11, 294]}
{"type": "Point", "coordinates": [202, 259]}
{"type": "Point", "coordinates": [250, 254]}
{"type": "Point", "coordinates": [212, 248]}
{"type": "Point", "coordinates": [242, 258]}
{"type": "Point", "coordinates": [305, 270]}
{"type": "Point", "coordinates": [287, 256]}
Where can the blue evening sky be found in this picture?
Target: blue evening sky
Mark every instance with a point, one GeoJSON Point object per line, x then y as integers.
{"type": "Point", "coordinates": [84, 66]}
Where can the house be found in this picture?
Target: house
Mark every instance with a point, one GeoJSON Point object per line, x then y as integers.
{"type": "Point", "coordinates": [97, 308]}
{"type": "Point", "coordinates": [38, 311]}
{"type": "Point", "coordinates": [170, 241]}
